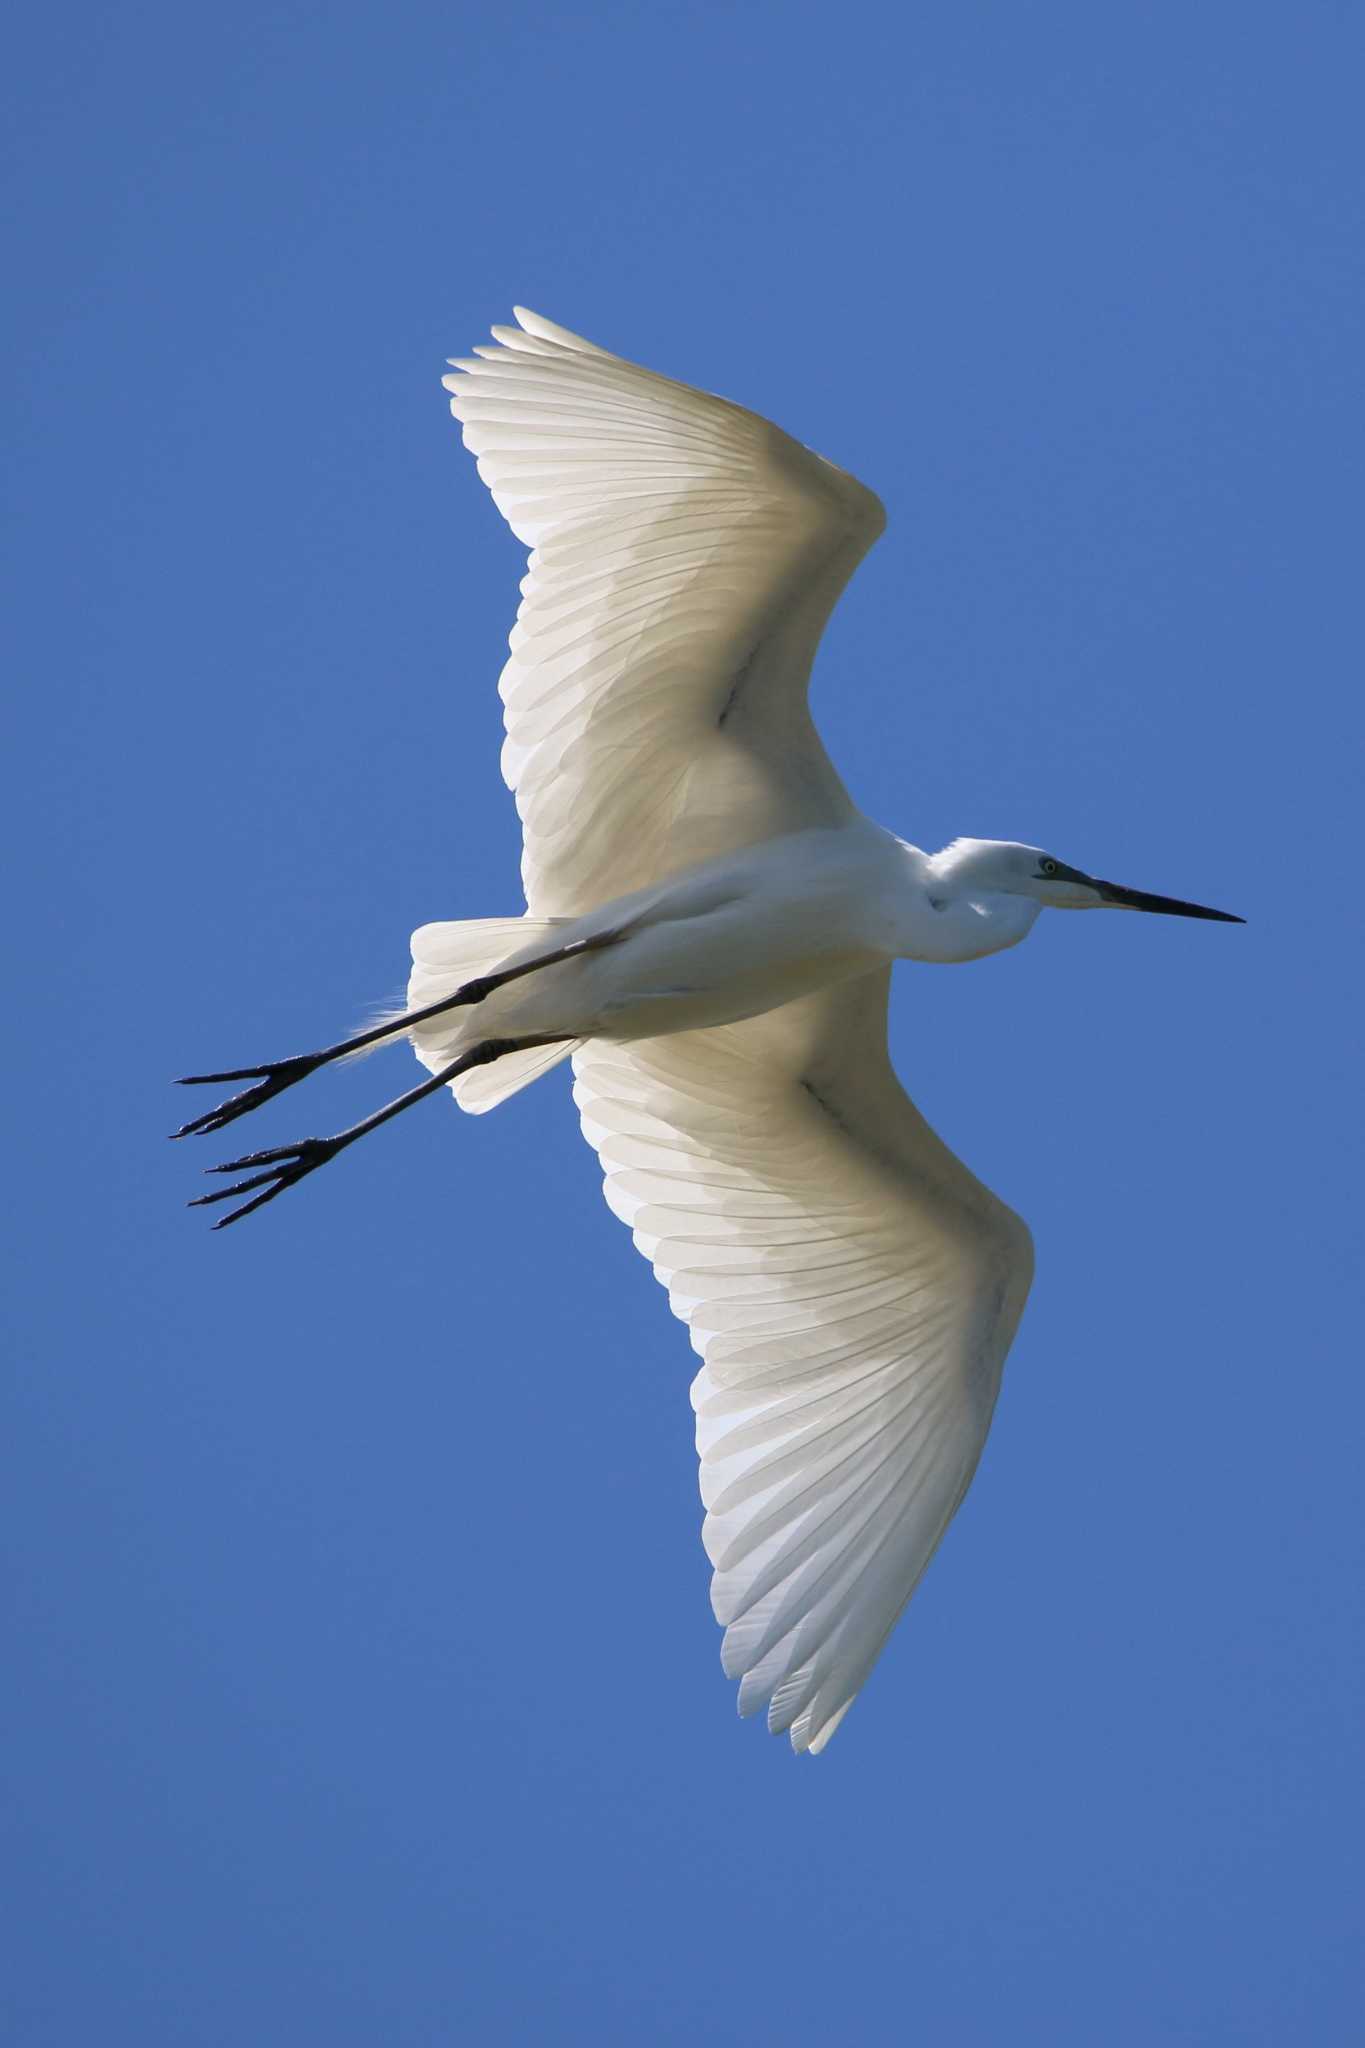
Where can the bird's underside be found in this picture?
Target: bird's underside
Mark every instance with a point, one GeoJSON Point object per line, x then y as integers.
{"type": "Point", "coordinates": [851, 1288]}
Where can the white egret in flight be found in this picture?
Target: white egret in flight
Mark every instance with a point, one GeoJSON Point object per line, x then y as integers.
{"type": "Point", "coordinates": [709, 934]}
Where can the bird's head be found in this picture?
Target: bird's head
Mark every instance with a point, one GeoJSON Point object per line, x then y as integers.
{"type": "Point", "coordinates": [983, 867]}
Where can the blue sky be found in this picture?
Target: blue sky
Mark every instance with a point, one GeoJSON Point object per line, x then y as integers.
{"type": "Point", "coordinates": [363, 1682]}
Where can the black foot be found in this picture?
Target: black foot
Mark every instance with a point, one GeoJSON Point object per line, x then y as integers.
{"type": "Point", "coordinates": [275, 1078]}
{"type": "Point", "coordinates": [284, 1165]}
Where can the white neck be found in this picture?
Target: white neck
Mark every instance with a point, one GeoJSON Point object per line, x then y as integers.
{"type": "Point", "coordinates": [949, 918]}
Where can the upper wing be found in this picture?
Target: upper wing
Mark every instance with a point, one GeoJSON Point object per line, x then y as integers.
{"type": "Point", "coordinates": [852, 1289]}
{"type": "Point", "coordinates": [686, 555]}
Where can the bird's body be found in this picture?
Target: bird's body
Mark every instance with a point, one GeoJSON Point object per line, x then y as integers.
{"type": "Point", "coordinates": [709, 932]}
{"type": "Point", "coordinates": [732, 938]}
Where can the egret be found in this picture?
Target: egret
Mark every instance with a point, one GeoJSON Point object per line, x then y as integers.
{"type": "Point", "coordinates": [709, 935]}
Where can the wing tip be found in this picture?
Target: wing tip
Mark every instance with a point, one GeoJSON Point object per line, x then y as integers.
{"type": "Point", "coordinates": [541, 329]}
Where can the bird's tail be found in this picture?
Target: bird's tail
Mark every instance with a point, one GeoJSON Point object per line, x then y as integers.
{"type": "Point", "coordinates": [443, 957]}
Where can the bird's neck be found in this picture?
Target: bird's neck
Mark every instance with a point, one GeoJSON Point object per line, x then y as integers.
{"type": "Point", "coordinates": [950, 919]}
{"type": "Point", "coordinates": [988, 921]}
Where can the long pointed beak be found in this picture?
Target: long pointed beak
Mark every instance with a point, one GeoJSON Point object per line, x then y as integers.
{"type": "Point", "coordinates": [1169, 906]}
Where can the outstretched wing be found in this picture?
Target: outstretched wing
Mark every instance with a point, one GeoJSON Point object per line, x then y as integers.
{"type": "Point", "coordinates": [852, 1290]}
{"type": "Point", "coordinates": [685, 557]}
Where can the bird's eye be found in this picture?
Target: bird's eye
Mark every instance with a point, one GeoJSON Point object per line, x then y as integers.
{"type": "Point", "coordinates": [1047, 867]}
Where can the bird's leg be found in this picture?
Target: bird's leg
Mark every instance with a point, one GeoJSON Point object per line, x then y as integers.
{"type": "Point", "coordinates": [275, 1076]}
{"type": "Point", "coordinates": [285, 1164]}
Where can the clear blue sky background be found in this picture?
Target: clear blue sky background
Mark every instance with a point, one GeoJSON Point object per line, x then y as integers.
{"type": "Point", "coordinates": [362, 1682]}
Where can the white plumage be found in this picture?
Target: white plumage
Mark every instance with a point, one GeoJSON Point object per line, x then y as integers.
{"type": "Point", "coordinates": [849, 1285]}
{"type": "Point", "coordinates": [852, 1291]}
{"type": "Point", "coordinates": [685, 557]}
{"type": "Point", "coordinates": [709, 933]}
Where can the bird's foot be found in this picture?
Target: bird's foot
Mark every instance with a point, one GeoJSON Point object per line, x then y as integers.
{"type": "Point", "coordinates": [271, 1080]}
{"type": "Point", "coordinates": [283, 1164]}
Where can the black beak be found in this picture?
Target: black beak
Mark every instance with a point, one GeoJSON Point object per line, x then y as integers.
{"type": "Point", "coordinates": [1169, 906]}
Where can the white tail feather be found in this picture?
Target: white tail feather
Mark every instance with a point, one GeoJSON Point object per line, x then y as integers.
{"type": "Point", "coordinates": [444, 956]}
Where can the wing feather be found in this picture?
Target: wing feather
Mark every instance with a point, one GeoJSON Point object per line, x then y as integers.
{"type": "Point", "coordinates": [686, 554]}
{"type": "Point", "coordinates": [852, 1291]}
{"type": "Point", "coordinates": [851, 1288]}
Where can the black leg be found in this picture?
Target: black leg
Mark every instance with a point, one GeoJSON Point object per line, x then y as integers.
{"type": "Point", "coordinates": [285, 1164]}
{"type": "Point", "coordinates": [275, 1076]}
{"type": "Point", "coordinates": [274, 1079]}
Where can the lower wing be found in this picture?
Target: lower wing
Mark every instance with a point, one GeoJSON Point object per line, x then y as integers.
{"type": "Point", "coordinates": [852, 1290]}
